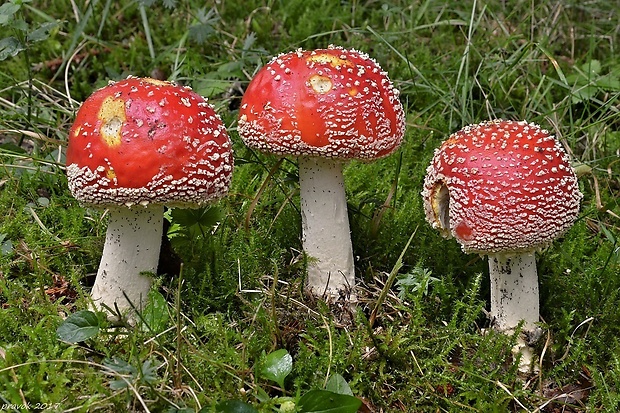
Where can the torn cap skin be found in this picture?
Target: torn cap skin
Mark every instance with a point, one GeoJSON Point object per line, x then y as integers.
{"type": "Point", "coordinates": [501, 186]}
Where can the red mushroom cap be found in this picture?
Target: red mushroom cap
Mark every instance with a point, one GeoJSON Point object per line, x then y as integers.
{"type": "Point", "coordinates": [501, 186]}
{"type": "Point", "coordinates": [331, 102]}
{"type": "Point", "coordinates": [141, 141]}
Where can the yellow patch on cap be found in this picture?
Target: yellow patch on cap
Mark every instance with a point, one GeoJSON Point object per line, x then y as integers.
{"type": "Point", "coordinates": [112, 114]}
{"type": "Point", "coordinates": [332, 60]}
{"type": "Point", "coordinates": [156, 82]}
{"type": "Point", "coordinates": [320, 84]}
{"type": "Point", "coordinates": [110, 174]}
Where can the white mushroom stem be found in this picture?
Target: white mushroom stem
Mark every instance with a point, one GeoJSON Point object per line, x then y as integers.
{"type": "Point", "coordinates": [514, 297]}
{"type": "Point", "coordinates": [514, 290]}
{"type": "Point", "coordinates": [131, 250]}
{"type": "Point", "coordinates": [325, 225]}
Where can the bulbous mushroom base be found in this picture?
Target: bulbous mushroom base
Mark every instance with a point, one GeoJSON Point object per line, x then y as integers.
{"type": "Point", "coordinates": [524, 352]}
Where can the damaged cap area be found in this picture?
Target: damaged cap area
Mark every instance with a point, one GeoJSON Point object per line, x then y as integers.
{"type": "Point", "coordinates": [501, 186]}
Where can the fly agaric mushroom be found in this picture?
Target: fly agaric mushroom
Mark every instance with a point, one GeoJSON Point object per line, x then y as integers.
{"type": "Point", "coordinates": [325, 107]}
{"type": "Point", "coordinates": [503, 189]}
{"type": "Point", "coordinates": [135, 146]}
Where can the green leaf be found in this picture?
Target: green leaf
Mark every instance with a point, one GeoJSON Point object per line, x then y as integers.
{"type": "Point", "coordinates": [123, 368]}
{"type": "Point", "coordinates": [169, 4]}
{"type": "Point", "coordinates": [608, 234]}
{"type": "Point", "coordinates": [10, 47]}
{"type": "Point", "coordinates": [276, 366]}
{"type": "Point", "coordinates": [418, 279]}
{"type": "Point", "coordinates": [261, 395]}
{"type": "Point", "coordinates": [212, 84]}
{"type": "Point", "coordinates": [609, 82]}
{"type": "Point", "coordinates": [205, 27]}
{"type": "Point", "coordinates": [42, 32]}
{"type": "Point", "coordinates": [155, 314]}
{"type": "Point", "coordinates": [149, 372]}
{"type": "Point", "coordinates": [7, 10]}
{"type": "Point", "coordinates": [583, 94]}
{"type": "Point", "coordinates": [323, 401]}
{"type": "Point", "coordinates": [79, 326]}
{"type": "Point", "coordinates": [233, 406]}
{"type": "Point", "coordinates": [191, 224]}
{"type": "Point", "coordinates": [592, 68]}
{"type": "Point", "coordinates": [337, 384]}
{"type": "Point", "coordinates": [231, 69]}
{"type": "Point", "coordinates": [205, 217]}
{"type": "Point", "coordinates": [20, 24]}
{"type": "Point", "coordinates": [249, 41]}
{"type": "Point", "coordinates": [11, 147]}
{"type": "Point", "coordinates": [6, 246]}
{"type": "Point", "coordinates": [119, 365]}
